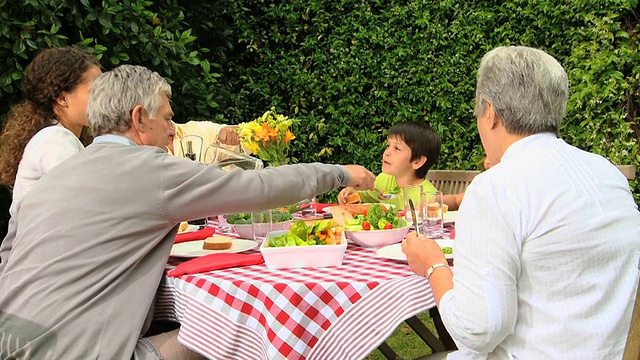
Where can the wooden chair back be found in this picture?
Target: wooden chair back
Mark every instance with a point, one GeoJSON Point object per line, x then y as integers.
{"type": "Point", "coordinates": [632, 347]}
{"type": "Point", "coordinates": [629, 171]}
{"type": "Point", "coordinates": [451, 181]}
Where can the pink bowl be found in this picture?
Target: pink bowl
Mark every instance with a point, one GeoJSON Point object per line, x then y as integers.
{"type": "Point", "coordinates": [377, 238]}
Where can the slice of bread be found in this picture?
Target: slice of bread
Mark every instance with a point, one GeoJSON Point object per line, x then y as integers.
{"type": "Point", "coordinates": [217, 242]}
{"type": "Point", "coordinates": [340, 215]}
{"type": "Point", "coordinates": [354, 198]}
{"type": "Point", "coordinates": [356, 209]}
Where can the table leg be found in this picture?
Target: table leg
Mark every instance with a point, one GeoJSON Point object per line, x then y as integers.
{"type": "Point", "coordinates": [443, 334]}
{"type": "Point", "coordinates": [423, 332]}
{"type": "Point", "coordinates": [388, 352]}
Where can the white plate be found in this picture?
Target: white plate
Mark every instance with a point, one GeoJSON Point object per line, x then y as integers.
{"type": "Point", "coordinates": [327, 209]}
{"type": "Point", "coordinates": [394, 251]}
{"type": "Point", "coordinates": [388, 206]}
{"type": "Point", "coordinates": [190, 228]}
{"type": "Point", "coordinates": [450, 217]}
{"type": "Point", "coordinates": [192, 249]}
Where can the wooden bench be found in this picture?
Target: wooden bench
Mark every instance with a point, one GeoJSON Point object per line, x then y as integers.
{"type": "Point", "coordinates": [451, 181]}
{"type": "Point", "coordinates": [629, 171]}
{"type": "Point", "coordinates": [456, 181]}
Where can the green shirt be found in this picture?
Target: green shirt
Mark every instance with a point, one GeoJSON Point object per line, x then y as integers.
{"type": "Point", "coordinates": [387, 184]}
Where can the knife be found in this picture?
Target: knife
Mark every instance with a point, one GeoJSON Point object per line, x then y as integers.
{"type": "Point", "coordinates": [413, 216]}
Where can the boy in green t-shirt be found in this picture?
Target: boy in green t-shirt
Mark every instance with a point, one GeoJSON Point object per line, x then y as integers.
{"type": "Point", "coordinates": [412, 148]}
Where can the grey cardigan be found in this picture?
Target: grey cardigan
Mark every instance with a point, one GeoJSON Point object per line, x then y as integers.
{"type": "Point", "coordinates": [88, 244]}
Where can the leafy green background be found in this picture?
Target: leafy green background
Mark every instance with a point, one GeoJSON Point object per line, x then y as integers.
{"type": "Point", "coordinates": [349, 69]}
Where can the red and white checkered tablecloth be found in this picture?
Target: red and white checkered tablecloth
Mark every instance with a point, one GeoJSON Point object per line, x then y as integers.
{"type": "Point", "coordinates": [254, 312]}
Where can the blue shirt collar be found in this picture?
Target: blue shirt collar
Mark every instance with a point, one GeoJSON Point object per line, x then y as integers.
{"type": "Point", "coordinates": [114, 139]}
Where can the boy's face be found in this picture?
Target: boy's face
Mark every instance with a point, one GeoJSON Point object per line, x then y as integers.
{"type": "Point", "coordinates": [396, 159]}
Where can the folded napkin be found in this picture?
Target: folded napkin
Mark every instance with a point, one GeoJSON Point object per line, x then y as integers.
{"type": "Point", "coordinates": [195, 235]}
{"type": "Point", "coordinates": [215, 262]}
{"type": "Point", "coordinates": [321, 206]}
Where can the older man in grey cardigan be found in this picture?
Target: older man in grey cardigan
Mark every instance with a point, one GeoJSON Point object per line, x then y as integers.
{"type": "Point", "coordinates": [87, 249]}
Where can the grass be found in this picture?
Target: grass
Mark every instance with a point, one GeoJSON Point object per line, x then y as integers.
{"type": "Point", "coordinates": [405, 342]}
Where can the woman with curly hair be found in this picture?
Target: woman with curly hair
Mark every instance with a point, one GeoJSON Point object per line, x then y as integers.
{"type": "Point", "coordinates": [50, 124]}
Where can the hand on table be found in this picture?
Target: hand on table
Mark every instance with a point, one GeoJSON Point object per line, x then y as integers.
{"type": "Point", "coordinates": [228, 135]}
{"type": "Point", "coordinates": [422, 252]}
{"type": "Point", "coordinates": [361, 178]}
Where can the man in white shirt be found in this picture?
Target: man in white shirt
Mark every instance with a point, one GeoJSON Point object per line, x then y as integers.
{"type": "Point", "coordinates": [547, 240]}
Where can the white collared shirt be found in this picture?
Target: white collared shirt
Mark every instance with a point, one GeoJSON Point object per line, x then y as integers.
{"type": "Point", "coordinates": [546, 255]}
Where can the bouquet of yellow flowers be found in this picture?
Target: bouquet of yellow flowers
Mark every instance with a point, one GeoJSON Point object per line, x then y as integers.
{"type": "Point", "coordinates": [268, 137]}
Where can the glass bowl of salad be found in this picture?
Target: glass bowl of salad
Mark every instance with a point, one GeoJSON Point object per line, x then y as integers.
{"type": "Point", "coordinates": [281, 220]}
{"type": "Point", "coordinates": [377, 227]}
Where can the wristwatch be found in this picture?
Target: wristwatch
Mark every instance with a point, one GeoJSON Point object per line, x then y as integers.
{"type": "Point", "coordinates": [433, 267]}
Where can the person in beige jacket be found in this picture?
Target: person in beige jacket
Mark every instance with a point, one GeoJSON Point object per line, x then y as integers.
{"type": "Point", "coordinates": [202, 134]}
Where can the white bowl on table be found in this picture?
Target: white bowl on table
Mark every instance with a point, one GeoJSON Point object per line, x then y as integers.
{"type": "Point", "coordinates": [244, 230]}
{"type": "Point", "coordinates": [301, 256]}
{"type": "Point", "coordinates": [377, 238]}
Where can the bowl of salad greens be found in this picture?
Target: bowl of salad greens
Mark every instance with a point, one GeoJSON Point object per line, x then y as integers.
{"type": "Point", "coordinates": [280, 220]}
{"type": "Point", "coordinates": [377, 227]}
{"type": "Point", "coordinates": [303, 245]}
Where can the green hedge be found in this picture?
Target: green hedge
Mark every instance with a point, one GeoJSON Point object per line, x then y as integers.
{"type": "Point", "coordinates": [350, 69]}
{"type": "Point", "coordinates": [116, 31]}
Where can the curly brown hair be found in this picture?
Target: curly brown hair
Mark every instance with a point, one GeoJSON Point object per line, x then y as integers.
{"type": "Point", "coordinates": [52, 72]}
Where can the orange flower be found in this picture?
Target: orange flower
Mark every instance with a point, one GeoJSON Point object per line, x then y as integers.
{"type": "Point", "coordinates": [288, 136]}
{"type": "Point", "coordinates": [264, 133]}
{"type": "Point", "coordinates": [273, 133]}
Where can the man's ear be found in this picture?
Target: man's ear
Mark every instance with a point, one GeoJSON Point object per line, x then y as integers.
{"type": "Point", "coordinates": [490, 116]}
{"type": "Point", "coordinates": [416, 164]}
{"type": "Point", "coordinates": [137, 118]}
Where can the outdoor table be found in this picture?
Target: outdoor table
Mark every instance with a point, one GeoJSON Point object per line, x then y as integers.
{"type": "Point", "coordinates": [254, 312]}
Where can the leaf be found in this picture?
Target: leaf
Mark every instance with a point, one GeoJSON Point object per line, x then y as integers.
{"type": "Point", "coordinates": [106, 23]}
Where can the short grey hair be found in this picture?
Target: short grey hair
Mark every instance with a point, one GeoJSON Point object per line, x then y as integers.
{"type": "Point", "coordinates": [527, 87]}
{"type": "Point", "coordinates": [115, 93]}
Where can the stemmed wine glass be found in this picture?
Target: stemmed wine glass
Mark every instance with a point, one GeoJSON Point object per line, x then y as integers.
{"type": "Point", "coordinates": [191, 147]}
{"type": "Point", "coordinates": [228, 160]}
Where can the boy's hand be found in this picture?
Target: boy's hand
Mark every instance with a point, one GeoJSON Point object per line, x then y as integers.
{"type": "Point", "coordinates": [344, 194]}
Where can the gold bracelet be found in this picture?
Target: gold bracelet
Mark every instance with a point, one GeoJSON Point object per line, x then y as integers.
{"type": "Point", "coordinates": [433, 267]}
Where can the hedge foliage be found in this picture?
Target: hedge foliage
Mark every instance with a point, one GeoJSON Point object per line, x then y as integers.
{"type": "Point", "coordinates": [349, 69]}
{"type": "Point", "coordinates": [117, 32]}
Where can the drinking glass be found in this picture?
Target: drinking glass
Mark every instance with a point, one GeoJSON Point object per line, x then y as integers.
{"type": "Point", "coordinates": [261, 224]}
{"type": "Point", "coordinates": [433, 212]}
{"type": "Point", "coordinates": [412, 192]}
{"type": "Point", "coordinates": [310, 209]}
